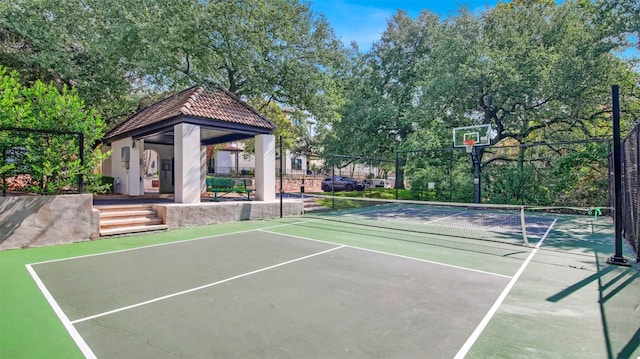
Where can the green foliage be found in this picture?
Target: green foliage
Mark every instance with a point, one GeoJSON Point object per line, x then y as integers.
{"type": "Point", "coordinates": [289, 127]}
{"type": "Point", "coordinates": [568, 175]}
{"type": "Point", "coordinates": [508, 183]}
{"type": "Point", "coordinates": [116, 52]}
{"type": "Point", "coordinates": [107, 182]}
{"type": "Point", "coordinates": [51, 160]}
{"type": "Point", "coordinates": [381, 110]}
{"type": "Point", "coordinates": [352, 202]}
{"type": "Point", "coordinates": [582, 177]}
{"type": "Point", "coordinates": [535, 70]}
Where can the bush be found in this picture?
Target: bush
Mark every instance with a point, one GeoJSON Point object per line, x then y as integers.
{"type": "Point", "coordinates": [108, 182]}
{"type": "Point", "coordinates": [51, 159]}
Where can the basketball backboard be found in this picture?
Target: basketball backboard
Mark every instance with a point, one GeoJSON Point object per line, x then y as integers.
{"type": "Point", "coordinates": [481, 135]}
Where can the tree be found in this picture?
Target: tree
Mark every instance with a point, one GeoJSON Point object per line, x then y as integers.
{"type": "Point", "coordinates": [118, 51]}
{"type": "Point", "coordinates": [51, 160]}
{"type": "Point", "coordinates": [381, 110]}
{"type": "Point", "coordinates": [534, 70]}
{"type": "Point", "coordinates": [531, 69]}
{"type": "Point", "coordinates": [288, 129]}
{"type": "Point", "coordinates": [65, 43]}
{"type": "Point", "coordinates": [619, 18]}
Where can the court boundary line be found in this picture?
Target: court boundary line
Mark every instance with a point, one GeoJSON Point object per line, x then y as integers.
{"type": "Point", "coordinates": [464, 350]}
{"type": "Point", "coordinates": [390, 254]}
{"type": "Point", "coordinates": [178, 241]}
{"type": "Point", "coordinates": [168, 296]}
{"type": "Point", "coordinates": [443, 218]}
{"type": "Point", "coordinates": [68, 325]}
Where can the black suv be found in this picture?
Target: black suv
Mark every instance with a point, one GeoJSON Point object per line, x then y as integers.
{"type": "Point", "coordinates": [341, 184]}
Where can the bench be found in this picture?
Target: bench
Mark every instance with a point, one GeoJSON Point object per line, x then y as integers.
{"type": "Point", "coordinates": [217, 185]}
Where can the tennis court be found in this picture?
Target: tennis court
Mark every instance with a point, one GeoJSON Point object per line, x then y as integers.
{"type": "Point", "coordinates": [334, 286]}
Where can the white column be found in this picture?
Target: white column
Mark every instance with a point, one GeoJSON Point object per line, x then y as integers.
{"type": "Point", "coordinates": [203, 169]}
{"type": "Point", "coordinates": [187, 163]}
{"type": "Point", "coordinates": [119, 171]}
{"type": "Point", "coordinates": [134, 177]}
{"type": "Point", "coordinates": [140, 150]}
{"type": "Point", "coordinates": [265, 168]}
{"type": "Point", "coordinates": [127, 173]}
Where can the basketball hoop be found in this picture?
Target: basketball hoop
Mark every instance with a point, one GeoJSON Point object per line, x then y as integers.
{"type": "Point", "coordinates": [468, 144]}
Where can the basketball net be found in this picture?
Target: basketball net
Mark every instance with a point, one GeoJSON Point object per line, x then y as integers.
{"type": "Point", "coordinates": [468, 144]}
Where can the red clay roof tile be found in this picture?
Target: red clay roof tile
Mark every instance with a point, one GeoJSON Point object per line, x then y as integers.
{"type": "Point", "coordinates": [202, 101]}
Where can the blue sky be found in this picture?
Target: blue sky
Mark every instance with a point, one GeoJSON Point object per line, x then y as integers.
{"type": "Point", "coordinates": [363, 21]}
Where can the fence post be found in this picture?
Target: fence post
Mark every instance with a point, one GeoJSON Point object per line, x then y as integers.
{"type": "Point", "coordinates": [617, 258]}
{"type": "Point", "coordinates": [81, 154]}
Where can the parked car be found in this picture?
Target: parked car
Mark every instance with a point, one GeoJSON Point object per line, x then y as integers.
{"type": "Point", "coordinates": [340, 183]}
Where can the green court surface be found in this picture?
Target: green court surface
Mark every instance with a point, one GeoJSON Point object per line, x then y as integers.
{"type": "Point", "coordinates": [307, 287]}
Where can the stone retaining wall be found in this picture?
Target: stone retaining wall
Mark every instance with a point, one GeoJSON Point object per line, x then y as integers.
{"type": "Point", "coordinates": [34, 221]}
{"type": "Point", "coordinates": [179, 215]}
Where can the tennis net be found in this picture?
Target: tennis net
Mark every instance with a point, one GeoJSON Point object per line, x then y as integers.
{"type": "Point", "coordinates": [499, 223]}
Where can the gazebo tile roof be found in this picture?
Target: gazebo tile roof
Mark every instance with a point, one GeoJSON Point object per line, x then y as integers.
{"type": "Point", "coordinates": [201, 101]}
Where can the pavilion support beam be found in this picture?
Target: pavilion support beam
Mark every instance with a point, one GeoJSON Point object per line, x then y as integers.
{"type": "Point", "coordinates": [203, 169]}
{"type": "Point", "coordinates": [265, 168]}
{"type": "Point", "coordinates": [187, 156]}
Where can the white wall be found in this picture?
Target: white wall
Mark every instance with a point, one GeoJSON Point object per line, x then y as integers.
{"type": "Point", "coordinates": [265, 168]}
{"type": "Point", "coordinates": [165, 153]}
{"type": "Point", "coordinates": [130, 179]}
{"type": "Point", "coordinates": [187, 154]}
{"type": "Point", "coordinates": [223, 162]}
{"type": "Point", "coordinates": [106, 165]}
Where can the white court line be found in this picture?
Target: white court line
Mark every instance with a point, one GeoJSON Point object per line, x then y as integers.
{"type": "Point", "coordinates": [175, 242]}
{"type": "Point", "coordinates": [82, 345]}
{"type": "Point", "coordinates": [485, 321]}
{"type": "Point", "coordinates": [393, 255]}
{"type": "Point", "coordinates": [203, 286]}
{"type": "Point", "coordinates": [440, 219]}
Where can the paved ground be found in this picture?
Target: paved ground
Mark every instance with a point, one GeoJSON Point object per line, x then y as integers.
{"type": "Point", "coordinates": [473, 299]}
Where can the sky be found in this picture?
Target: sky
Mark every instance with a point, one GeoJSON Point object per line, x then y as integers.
{"type": "Point", "coordinates": [363, 21]}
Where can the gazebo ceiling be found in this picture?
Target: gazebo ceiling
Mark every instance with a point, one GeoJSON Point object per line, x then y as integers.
{"type": "Point", "coordinates": [221, 115]}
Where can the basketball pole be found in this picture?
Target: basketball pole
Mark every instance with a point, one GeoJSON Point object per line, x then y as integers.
{"type": "Point", "coordinates": [476, 175]}
{"type": "Point", "coordinates": [281, 178]}
{"type": "Point", "coordinates": [617, 258]}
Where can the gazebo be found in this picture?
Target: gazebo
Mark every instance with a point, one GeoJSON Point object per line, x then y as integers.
{"type": "Point", "coordinates": [179, 128]}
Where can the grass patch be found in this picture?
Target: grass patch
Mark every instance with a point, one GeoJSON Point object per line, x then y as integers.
{"type": "Point", "coordinates": [381, 193]}
{"type": "Point", "coordinates": [351, 198]}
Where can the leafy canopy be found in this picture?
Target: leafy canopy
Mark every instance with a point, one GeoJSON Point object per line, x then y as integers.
{"type": "Point", "coordinates": [52, 161]}
{"type": "Point", "coordinates": [115, 52]}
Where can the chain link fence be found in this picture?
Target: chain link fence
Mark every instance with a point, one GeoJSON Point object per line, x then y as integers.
{"type": "Point", "coordinates": [629, 191]}
{"type": "Point", "coordinates": [568, 174]}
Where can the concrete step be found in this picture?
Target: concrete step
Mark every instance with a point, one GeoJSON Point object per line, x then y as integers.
{"type": "Point", "coordinates": [123, 208]}
{"type": "Point", "coordinates": [132, 230]}
{"type": "Point", "coordinates": [312, 206]}
{"type": "Point", "coordinates": [128, 219]}
{"type": "Point", "coordinates": [127, 214]}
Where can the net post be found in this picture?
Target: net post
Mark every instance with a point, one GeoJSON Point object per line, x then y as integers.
{"type": "Point", "coordinates": [333, 186]}
{"type": "Point", "coordinates": [281, 178]}
{"type": "Point", "coordinates": [523, 224]}
{"type": "Point", "coordinates": [395, 185]}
